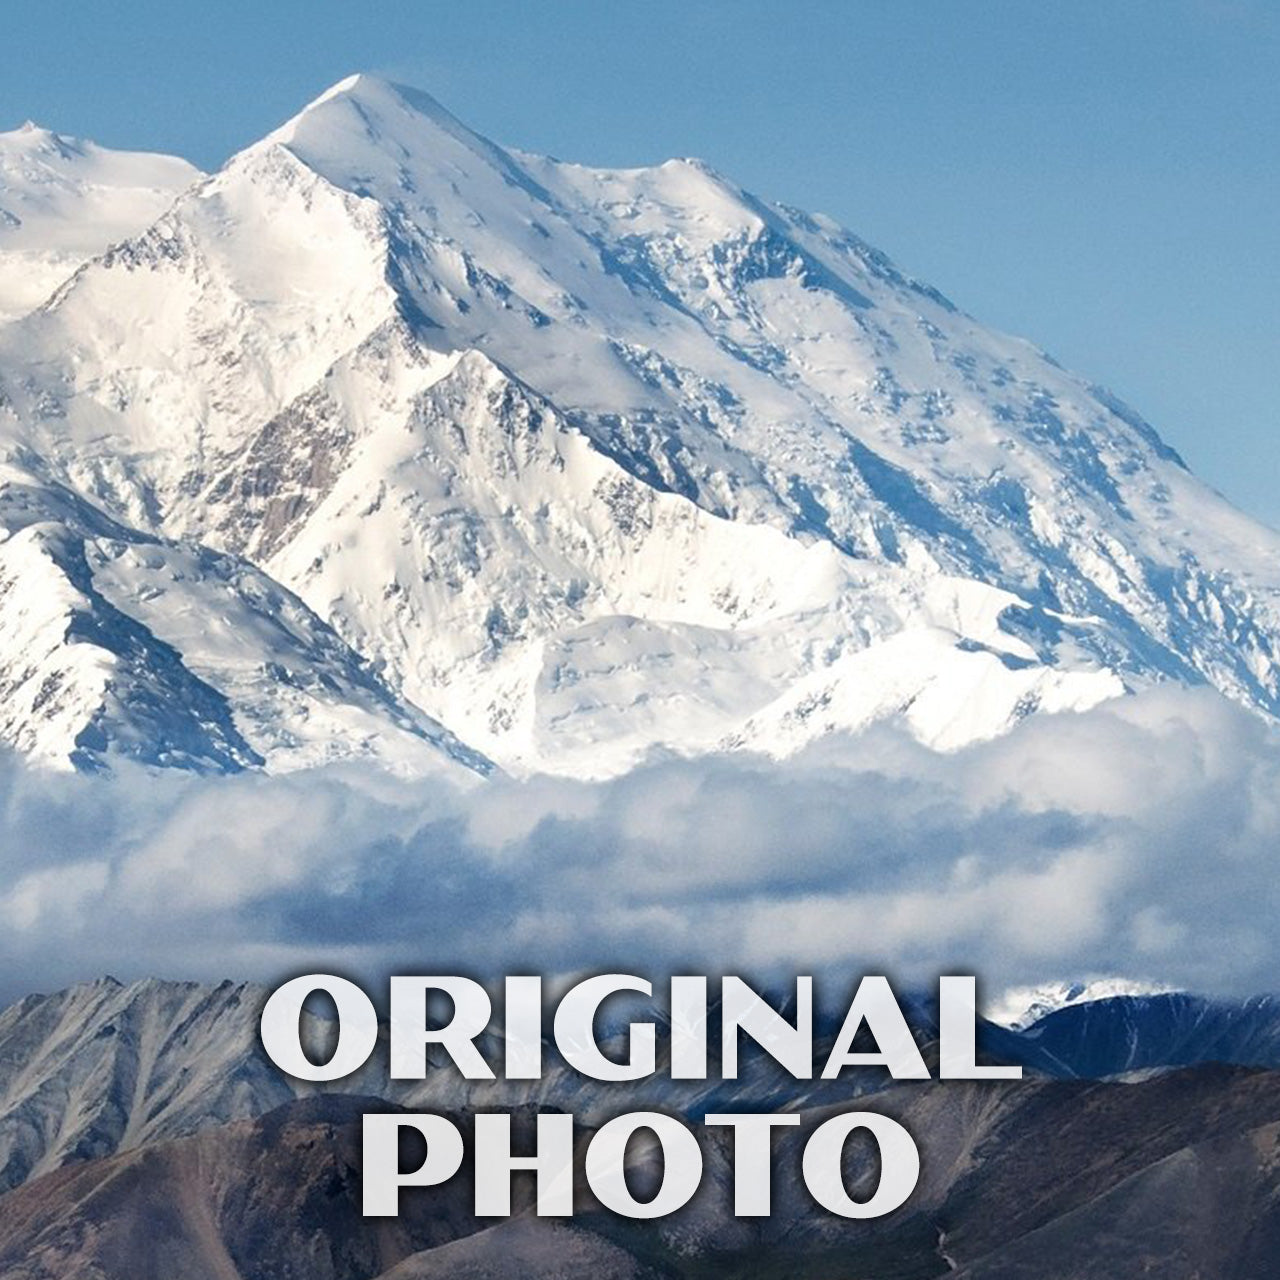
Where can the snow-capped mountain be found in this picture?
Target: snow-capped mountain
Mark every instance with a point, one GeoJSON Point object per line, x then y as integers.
{"type": "Point", "coordinates": [117, 643]}
{"type": "Point", "coordinates": [1022, 1007]}
{"type": "Point", "coordinates": [63, 200]}
{"type": "Point", "coordinates": [586, 463]}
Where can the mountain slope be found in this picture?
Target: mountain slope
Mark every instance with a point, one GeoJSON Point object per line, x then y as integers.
{"type": "Point", "coordinates": [101, 1067]}
{"type": "Point", "coordinates": [591, 462]}
{"type": "Point", "coordinates": [63, 200]}
{"type": "Point", "coordinates": [119, 644]}
{"type": "Point", "coordinates": [274, 1197]}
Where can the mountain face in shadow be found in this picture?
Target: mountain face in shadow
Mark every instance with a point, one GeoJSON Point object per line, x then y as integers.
{"type": "Point", "coordinates": [1139, 1033]}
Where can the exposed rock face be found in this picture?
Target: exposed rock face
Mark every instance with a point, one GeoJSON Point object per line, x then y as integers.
{"type": "Point", "coordinates": [101, 1067]}
{"type": "Point", "coordinates": [273, 1197]}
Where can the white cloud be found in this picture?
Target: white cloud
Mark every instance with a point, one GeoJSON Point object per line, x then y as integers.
{"type": "Point", "coordinates": [1138, 839]}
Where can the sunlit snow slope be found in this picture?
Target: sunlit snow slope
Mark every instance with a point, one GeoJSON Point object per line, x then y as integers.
{"type": "Point", "coordinates": [63, 200]}
{"type": "Point", "coordinates": [587, 463]}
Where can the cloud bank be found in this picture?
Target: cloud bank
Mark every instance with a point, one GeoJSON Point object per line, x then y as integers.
{"type": "Point", "coordinates": [1138, 839]}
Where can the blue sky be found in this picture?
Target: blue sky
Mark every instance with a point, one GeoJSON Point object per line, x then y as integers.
{"type": "Point", "coordinates": [1100, 176]}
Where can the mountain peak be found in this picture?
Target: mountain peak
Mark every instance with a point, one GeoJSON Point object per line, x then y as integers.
{"type": "Point", "coordinates": [65, 199]}
{"type": "Point", "coordinates": [30, 130]}
{"type": "Point", "coordinates": [39, 151]}
{"type": "Point", "coordinates": [30, 138]}
{"type": "Point", "coordinates": [347, 84]}
{"type": "Point", "coordinates": [371, 136]}
{"type": "Point", "coordinates": [375, 109]}
{"type": "Point", "coordinates": [365, 88]}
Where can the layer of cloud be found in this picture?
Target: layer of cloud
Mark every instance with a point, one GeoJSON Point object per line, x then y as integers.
{"type": "Point", "coordinates": [1139, 839]}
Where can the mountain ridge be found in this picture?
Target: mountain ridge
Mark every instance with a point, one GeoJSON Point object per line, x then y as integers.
{"type": "Point", "coordinates": [141, 1127]}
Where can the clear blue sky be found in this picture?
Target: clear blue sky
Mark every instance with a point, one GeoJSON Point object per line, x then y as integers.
{"type": "Point", "coordinates": [1101, 176]}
